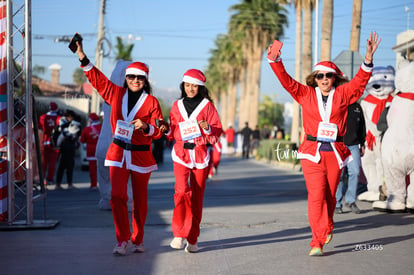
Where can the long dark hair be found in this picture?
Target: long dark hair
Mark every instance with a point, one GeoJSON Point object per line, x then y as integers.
{"type": "Point", "coordinates": [202, 90]}
{"type": "Point", "coordinates": [339, 80]}
{"type": "Point", "coordinates": [147, 86]}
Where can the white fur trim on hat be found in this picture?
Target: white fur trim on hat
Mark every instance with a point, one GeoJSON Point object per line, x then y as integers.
{"type": "Point", "coordinates": [135, 71]}
{"type": "Point", "coordinates": [324, 68]}
{"type": "Point", "coordinates": [193, 80]}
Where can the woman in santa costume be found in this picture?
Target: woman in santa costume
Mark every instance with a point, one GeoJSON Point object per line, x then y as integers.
{"type": "Point", "coordinates": [133, 116]}
{"type": "Point", "coordinates": [90, 136]}
{"type": "Point", "coordinates": [323, 154]}
{"type": "Point", "coordinates": [194, 122]}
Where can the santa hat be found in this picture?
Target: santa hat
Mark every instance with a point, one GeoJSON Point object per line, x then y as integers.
{"type": "Point", "coordinates": [137, 68]}
{"type": "Point", "coordinates": [327, 66]}
{"type": "Point", "coordinates": [53, 106]}
{"type": "Point", "coordinates": [93, 117]}
{"type": "Point", "coordinates": [194, 76]}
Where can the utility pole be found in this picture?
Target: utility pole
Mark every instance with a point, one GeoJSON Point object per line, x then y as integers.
{"type": "Point", "coordinates": [98, 56]}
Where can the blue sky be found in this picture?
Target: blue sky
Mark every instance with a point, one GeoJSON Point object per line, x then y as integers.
{"type": "Point", "coordinates": [178, 35]}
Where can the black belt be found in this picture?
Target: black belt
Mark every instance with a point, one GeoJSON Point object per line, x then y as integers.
{"type": "Point", "coordinates": [189, 146]}
{"type": "Point", "coordinates": [312, 138]}
{"type": "Point", "coordinates": [131, 147]}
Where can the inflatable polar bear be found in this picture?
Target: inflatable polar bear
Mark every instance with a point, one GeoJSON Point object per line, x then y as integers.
{"type": "Point", "coordinates": [379, 88]}
{"type": "Point", "coordinates": [398, 144]}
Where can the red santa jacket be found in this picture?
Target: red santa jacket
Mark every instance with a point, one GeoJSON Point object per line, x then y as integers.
{"type": "Point", "coordinates": [147, 109]}
{"type": "Point", "coordinates": [47, 122]}
{"type": "Point", "coordinates": [90, 136]}
{"type": "Point", "coordinates": [198, 157]}
{"type": "Point", "coordinates": [313, 111]}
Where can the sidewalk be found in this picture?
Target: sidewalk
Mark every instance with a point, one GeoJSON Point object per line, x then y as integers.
{"type": "Point", "coordinates": [254, 222]}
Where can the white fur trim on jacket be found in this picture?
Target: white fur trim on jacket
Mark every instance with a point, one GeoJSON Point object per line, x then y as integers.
{"type": "Point", "coordinates": [193, 163]}
{"type": "Point", "coordinates": [88, 67]}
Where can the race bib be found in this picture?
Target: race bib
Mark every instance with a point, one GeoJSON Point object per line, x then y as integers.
{"type": "Point", "coordinates": [124, 131]}
{"type": "Point", "coordinates": [189, 129]}
{"type": "Point", "coordinates": [327, 132]}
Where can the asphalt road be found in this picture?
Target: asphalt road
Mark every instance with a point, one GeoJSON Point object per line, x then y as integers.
{"type": "Point", "coordinates": [254, 222]}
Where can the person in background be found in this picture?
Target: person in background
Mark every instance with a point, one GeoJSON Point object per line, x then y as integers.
{"type": "Point", "coordinates": [229, 133]}
{"type": "Point", "coordinates": [323, 154]}
{"type": "Point", "coordinates": [265, 132]}
{"type": "Point", "coordinates": [215, 159]}
{"type": "Point", "coordinates": [246, 133]}
{"type": "Point", "coordinates": [354, 139]}
{"type": "Point", "coordinates": [47, 123]}
{"type": "Point", "coordinates": [194, 123]}
{"type": "Point", "coordinates": [255, 140]}
{"type": "Point", "coordinates": [68, 142]}
{"type": "Point", "coordinates": [133, 115]}
{"type": "Point", "coordinates": [90, 135]}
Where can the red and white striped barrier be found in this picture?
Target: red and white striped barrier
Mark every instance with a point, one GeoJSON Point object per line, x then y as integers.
{"type": "Point", "coordinates": [3, 111]}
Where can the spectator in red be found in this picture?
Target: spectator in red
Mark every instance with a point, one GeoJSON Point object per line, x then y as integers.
{"type": "Point", "coordinates": [215, 159]}
{"type": "Point", "coordinates": [229, 133]}
{"type": "Point", "coordinates": [47, 123]}
{"type": "Point", "coordinates": [90, 135]}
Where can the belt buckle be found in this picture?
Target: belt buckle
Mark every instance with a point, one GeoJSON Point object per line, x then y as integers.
{"type": "Point", "coordinates": [128, 146]}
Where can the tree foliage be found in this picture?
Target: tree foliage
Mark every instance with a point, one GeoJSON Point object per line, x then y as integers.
{"type": "Point", "coordinates": [271, 112]}
{"type": "Point", "coordinates": [79, 76]}
{"type": "Point", "coordinates": [124, 52]}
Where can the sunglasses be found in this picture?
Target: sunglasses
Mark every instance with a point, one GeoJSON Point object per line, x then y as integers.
{"type": "Point", "coordinates": [321, 76]}
{"type": "Point", "coordinates": [132, 77]}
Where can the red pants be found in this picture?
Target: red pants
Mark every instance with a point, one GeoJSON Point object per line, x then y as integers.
{"type": "Point", "coordinates": [188, 202]}
{"type": "Point", "coordinates": [119, 181]}
{"type": "Point", "coordinates": [322, 180]}
{"type": "Point", "coordinates": [93, 168]}
{"type": "Point", "coordinates": [50, 157]}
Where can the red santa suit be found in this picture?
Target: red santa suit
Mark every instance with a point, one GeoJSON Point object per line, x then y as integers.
{"type": "Point", "coordinates": [128, 158]}
{"type": "Point", "coordinates": [191, 160]}
{"type": "Point", "coordinates": [47, 123]}
{"type": "Point", "coordinates": [90, 136]}
{"type": "Point", "coordinates": [322, 169]}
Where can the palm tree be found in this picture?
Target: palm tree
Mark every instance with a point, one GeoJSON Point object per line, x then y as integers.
{"type": "Point", "coordinates": [220, 75]}
{"type": "Point", "coordinates": [260, 21]}
{"type": "Point", "coordinates": [79, 76]}
{"type": "Point", "coordinates": [298, 71]}
{"type": "Point", "coordinates": [123, 51]}
{"type": "Point", "coordinates": [303, 56]}
{"type": "Point", "coordinates": [327, 19]}
{"type": "Point", "coordinates": [356, 26]}
{"type": "Point", "coordinates": [307, 36]}
{"type": "Point", "coordinates": [216, 83]}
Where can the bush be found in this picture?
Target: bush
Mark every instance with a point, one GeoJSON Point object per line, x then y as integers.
{"type": "Point", "coordinates": [277, 150]}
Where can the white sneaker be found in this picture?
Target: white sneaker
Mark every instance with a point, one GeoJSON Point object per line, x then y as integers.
{"type": "Point", "coordinates": [137, 248]}
{"type": "Point", "coordinates": [121, 248]}
{"type": "Point", "coordinates": [369, 196]}
{"type": "Point", "coordinates": [191, 248]}
{"type": "Point", "coordinates": [177, 243]}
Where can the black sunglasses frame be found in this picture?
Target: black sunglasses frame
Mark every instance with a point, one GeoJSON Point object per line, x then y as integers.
{"type": "Point", "coordinates": [320, 76]}
{"type": "Point", "coordinates": [133, 76]}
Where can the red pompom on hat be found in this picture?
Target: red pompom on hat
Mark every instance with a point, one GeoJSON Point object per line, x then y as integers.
{"type": "Point", "coordinates": [327, 66]}
{"type": "Point", "coordinates": [137, 68]}
{"type": "Point", "coordinates": [93, 117]}
{"type": "Point", "coordinates": [194, 76]}
{"type": "Point", "coordinates": [53, 106]}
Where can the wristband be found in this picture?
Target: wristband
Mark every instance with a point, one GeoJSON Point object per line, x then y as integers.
{"type": "Point", "coordinates": [85, 61]}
